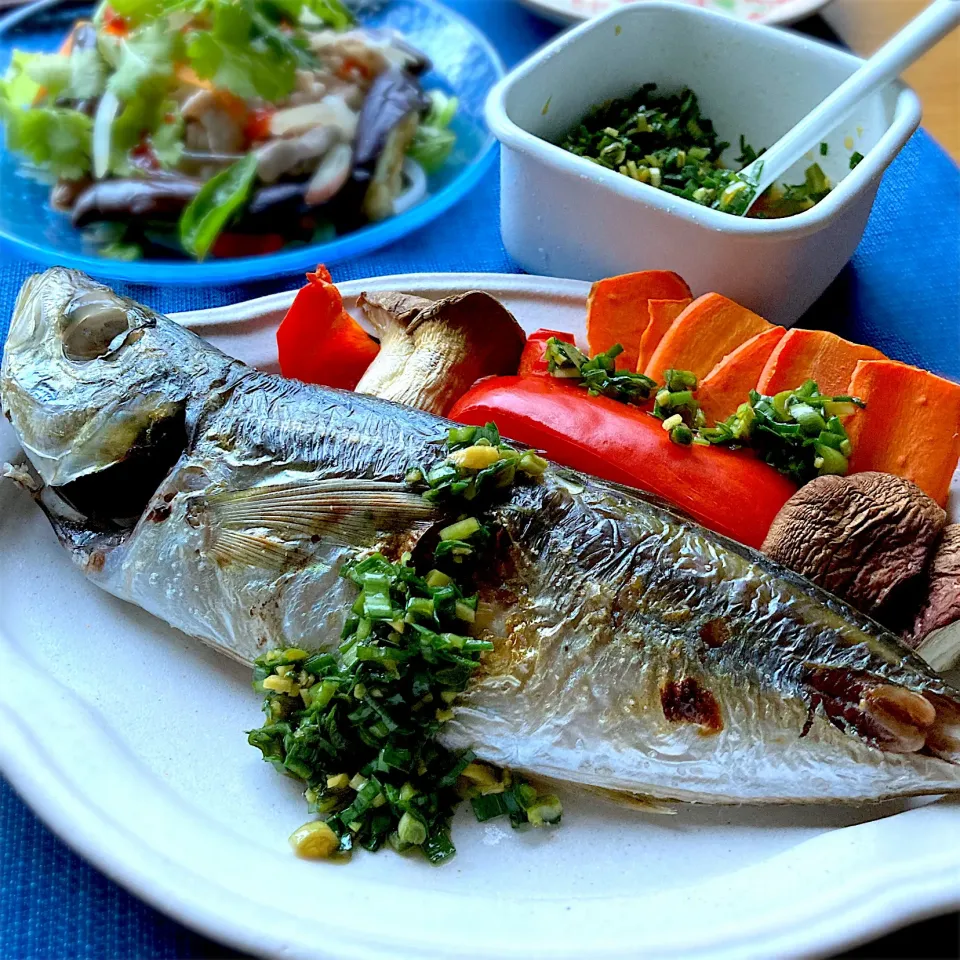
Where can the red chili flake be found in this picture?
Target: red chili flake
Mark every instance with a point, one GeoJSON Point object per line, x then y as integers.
{"type": "Point", "coordinates": [686, 701]}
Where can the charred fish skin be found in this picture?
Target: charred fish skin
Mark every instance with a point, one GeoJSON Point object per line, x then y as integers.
{"type": "Point", "coordinates": [655, 657]}
{"type": "Point", "coordinates": [633, 650]}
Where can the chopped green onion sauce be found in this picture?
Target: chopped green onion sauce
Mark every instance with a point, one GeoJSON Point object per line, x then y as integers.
{"type": "Point", "coordinates": [358, 725]}
{"type": "Point", "coordinates": [665, 141]}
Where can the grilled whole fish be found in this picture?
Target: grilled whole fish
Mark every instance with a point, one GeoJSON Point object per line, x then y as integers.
{"type": "Point", "coordinates": [634, 650]}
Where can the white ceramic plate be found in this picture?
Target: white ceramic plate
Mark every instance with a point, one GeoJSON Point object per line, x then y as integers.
{"type": "Point", "coordinates": [760, 11]}
{"type": "Point", "coordinates": [127, 738]}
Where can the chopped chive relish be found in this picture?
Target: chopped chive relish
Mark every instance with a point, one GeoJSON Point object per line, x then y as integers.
{"type": "Point", "coordinates": [665, 141]}
{"type": "Point", "coordinates": [599, 375]}
{"type": "Point", "coordinates": [359, 725]}
{"type": "Point", "coordinates": [799, 432]}
{"type": "Point", "coordinates": [478, 464]}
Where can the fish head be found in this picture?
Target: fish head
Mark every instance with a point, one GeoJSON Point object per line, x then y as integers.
{"type": "Point", "coordinates": [97, 388]}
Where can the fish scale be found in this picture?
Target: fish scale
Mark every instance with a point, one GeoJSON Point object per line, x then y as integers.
{"type": "Point", "coordinates": [634, 651]}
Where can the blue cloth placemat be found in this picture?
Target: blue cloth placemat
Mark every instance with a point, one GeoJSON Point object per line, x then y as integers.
{"type": "Point", "coordinates": [900, 293]}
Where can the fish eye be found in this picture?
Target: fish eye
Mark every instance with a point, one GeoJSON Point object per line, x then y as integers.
{"type": "Point", "coordinates": [95, 328]}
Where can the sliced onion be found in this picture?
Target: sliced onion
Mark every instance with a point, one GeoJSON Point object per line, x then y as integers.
{"type": "Point", "coordinates": [414, 189]}
{"type": "Point", "coordinates": [331, 175]}
{"type": "Point", "coordinates": [107, 111]}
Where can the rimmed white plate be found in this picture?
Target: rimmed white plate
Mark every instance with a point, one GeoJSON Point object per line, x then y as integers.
{"type": "Point", "coordinates": [760, 11]}
{"type": "Point", "coordinates": [127, 738]}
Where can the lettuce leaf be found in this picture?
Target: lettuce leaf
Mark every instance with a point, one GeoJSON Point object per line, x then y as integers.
{"type": "Point", "coordinates": [167, 137]}
{"type": "Point", "coordinates": [144, 59]}
{"type": "Point", "coordinates": [233, 58]}
{"type": "Point", "coordinates": [53, 138]}
{"type": "Point", "coordinates": [18, 88]}
{"type": "Point", "coordinates": [80, 76]}
{"type": "Point", "coordinates": [434, 140]}
{"type": "Point", "coordinates": [333, 13]}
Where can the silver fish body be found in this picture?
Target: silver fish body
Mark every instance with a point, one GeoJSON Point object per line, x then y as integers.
{"type": "Point", "coordinates": [634, 651]}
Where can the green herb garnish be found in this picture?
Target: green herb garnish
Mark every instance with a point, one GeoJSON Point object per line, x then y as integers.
{"type": "Point", "coordinates": [791, 199]}
{"type": "Point", "coordinates": [800, 432]}
{"type": "Point", "coordinates": [665, 141]}
{"type": "Point", "coordinates": [855, 158]}
{"type": "Point", "coordinates": [359, 726]}
{"type": "Point", "coordinates": [479, 462]}
{"type": "Point", "coordinates": [598, 375]}
{"type": "Point", "coordinates": [434, 139]}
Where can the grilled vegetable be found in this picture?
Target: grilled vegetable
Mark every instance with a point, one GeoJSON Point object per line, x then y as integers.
{"type": "Point", "coordinates": [710, 328]}
{"type": "Point", "coordinates": [124, 201]}
{"type": "Point", "coordinates": [813, 355]}
{"type": "Point", "coordinates": [722, 390]}
{"type": "Point", "coordinates": [319, 342]}
{"type": "Point", "coordinates": [911, 426]}
{"type": "Point", "coordinates": [388, 122]}
{"type": "Point", "coordinates": [936, 631]}
{"type": "Point", "coordinates": [431, 352]}
{"type": "Point", "coordinates": [662, 313]}
{"type": "Point", "coordinates": [621, 443]}
{"type": "Point", "coordinates": [617, 310]}
{"type": "Point", "coordinates": [866, 538]}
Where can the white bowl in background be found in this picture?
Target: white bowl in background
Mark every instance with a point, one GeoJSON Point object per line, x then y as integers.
{"type": "Point", "coordinates": [562, 215]}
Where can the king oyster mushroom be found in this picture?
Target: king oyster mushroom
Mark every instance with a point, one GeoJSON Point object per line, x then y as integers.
{"type": "Point", "coordinates": [936, 631]}
{"type": "Point", "coordinates": [431, 352]}
{"type": "Point", "coordinates": [866, 538]}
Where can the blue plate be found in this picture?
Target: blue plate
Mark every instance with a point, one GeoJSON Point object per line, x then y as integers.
{"type": "Point", "coordinates": [464, 63]}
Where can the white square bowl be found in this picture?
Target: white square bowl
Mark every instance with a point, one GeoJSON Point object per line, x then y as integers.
{"type": "Point", "coordinates": [562, 215]}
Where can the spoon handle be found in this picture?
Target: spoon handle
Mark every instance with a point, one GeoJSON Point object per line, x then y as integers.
{"type": "Point", "coordinates": [934, 23]}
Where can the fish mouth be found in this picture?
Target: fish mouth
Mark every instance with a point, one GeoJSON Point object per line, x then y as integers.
{"type": "Point", "coordinates": [116, 496]}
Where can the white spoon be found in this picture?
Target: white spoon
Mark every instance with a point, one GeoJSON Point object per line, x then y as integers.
{"type": "Point", "coordinates": [914, 40]}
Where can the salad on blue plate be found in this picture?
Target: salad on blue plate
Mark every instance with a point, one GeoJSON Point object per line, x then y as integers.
{"type": "Point", "coordinates": [174, 129]}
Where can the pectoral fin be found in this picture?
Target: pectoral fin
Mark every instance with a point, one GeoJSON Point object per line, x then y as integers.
{"type": "Point", "coordinates": [271, 525]}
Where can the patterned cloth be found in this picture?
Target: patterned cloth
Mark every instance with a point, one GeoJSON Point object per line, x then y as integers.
{"type": "Point", "coordinates": [900, 293]}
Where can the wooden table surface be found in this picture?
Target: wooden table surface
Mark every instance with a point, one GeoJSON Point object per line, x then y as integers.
{"type": "Point", "coordinates": [865, 24]}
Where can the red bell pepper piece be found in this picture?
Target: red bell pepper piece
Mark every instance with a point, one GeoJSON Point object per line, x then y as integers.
{"type": "Point", "coordinates": [532, 361]}
{"type": "Point", "coordinates": [319, 342]}
{"type": "Point", "coordinates": [731, 492]}
{"type": "Point", "coordinates": [247, 244]}
{"type": "Point", "coordinates": [257, 125]}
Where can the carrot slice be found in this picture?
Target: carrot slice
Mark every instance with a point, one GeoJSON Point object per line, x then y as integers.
{"type": "Point", "coordinates": [729, 383]}
{"type": "Point", "coordinates": [710, 328]}
{"type": "Point", "coordinates": [813, 355]}
{"type": "Point", "coordinates": [662, 314]}
{"type": "Point", "coordinates": [910, 427]}
{"type": "Point", "coordinates": [617, 310]}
